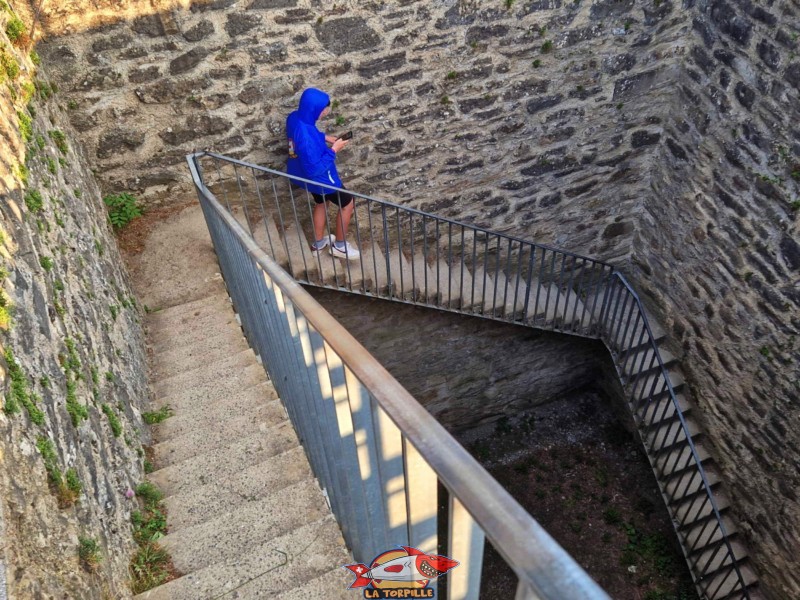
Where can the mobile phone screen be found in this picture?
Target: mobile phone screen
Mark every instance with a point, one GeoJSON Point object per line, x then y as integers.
{"type": "Point", "coordinates": [347, 136]}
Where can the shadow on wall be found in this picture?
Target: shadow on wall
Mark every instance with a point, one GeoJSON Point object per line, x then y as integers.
{"type": "Point", "coordinates": [468, 372]}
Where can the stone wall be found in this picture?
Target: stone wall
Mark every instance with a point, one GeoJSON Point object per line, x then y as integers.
{"type": "Point", "coordinates": [661, 136]}
{"type": "Point", "coordinates": [73, 367]}
{"type": "Point", "coordinates": [717, 254]}
{"type": "Point", "coordinates": [478, 371]}
{"type": "Point", "coordinates": [519, 118]}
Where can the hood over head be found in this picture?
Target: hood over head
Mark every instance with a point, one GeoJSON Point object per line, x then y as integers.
{"type": "Point", "coordinates": [312, 103]}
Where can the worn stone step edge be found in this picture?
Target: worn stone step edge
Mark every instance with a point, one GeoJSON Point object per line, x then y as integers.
{"type": "Point", "coordinates": [215, 498]}
{"type": "Point", "coordinates": [216, 297]}
{"type": "Point", "coordinates": [199, 398]}
{"type": "Point", "coordinates": [207, 439]}
{"type": "Point", "coordinates": [260, 394]}
{"type": "Point", "coordinates": [333, 585]}
{"type": "Point", "coordinates": [247, 525]}
{"type": "Point", "coordinates": [205, 373]}
{"type": "Point", "coordinates": [262, 572]}
{"type": "Point", "coordinates": [225, 461]}
{"type": "Point", "coordinates": [193, 331]}
{"type": "Point", "coordinates": [176, 361]}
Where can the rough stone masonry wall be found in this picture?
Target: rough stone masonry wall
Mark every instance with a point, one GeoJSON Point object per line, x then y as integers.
{"type": "Point", "coordinates": [478, 371]}
{"type": "Point", "coordinates": [717, 252]}
{"type": "Point", "coordinates": [650, 132]}
{"type": "Point", "coordinates": [449, 111]}
{"type": "Point", "coordinates": [72, 343]}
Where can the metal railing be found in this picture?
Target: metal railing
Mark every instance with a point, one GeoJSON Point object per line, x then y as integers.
{"type": "Point", "coordinates": [415, 257]}
{"type": "Point", "coordinates": [378, 454]}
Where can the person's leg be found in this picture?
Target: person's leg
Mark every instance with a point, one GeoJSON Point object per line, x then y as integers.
{"type": "Point", "coordinates": [319, 217]}
{"type": "Point", "coordinates": [343, 218]}
{"type": "Point", "coordinates": [341, 248]}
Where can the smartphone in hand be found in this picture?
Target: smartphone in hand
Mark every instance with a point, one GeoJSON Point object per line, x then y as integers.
{"type": "Point", "coordinates": [346, 136]}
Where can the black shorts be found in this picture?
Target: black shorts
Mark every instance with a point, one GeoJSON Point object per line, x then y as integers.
{"type": "Point", "coordinates": [340, 198]}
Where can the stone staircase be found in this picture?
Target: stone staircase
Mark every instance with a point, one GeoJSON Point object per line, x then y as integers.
{"type": "Point", "coordinates": [246, 517]}
{"type": "Point", "coordinates": [487, 288]}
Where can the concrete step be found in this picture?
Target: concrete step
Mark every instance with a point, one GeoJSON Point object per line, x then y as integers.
{"type": "Point", "coordinates": [333, 585]}
{"type": "Point", "coordinates": [623, 329]}
{"type": "Point", "coordinates": [256, 397]}
{"type": "Point", "coordinates": [690, 483]}
{"type": "Point", "coordinates": [192, 399]}
{"type": "Point", "coordinates": [725, 585]}
{"type": "Point", "coordinates": [644, 360]}
{"type": "Point", "coordinates": [194, 332]}
{"type": "Point", "coordinates": [219, 496]}
{"type": "Point", "coordinates": [302, 264]}
{"type": "Point", "coordinates": [264, 571]}
{"type": "Point", "coordinates": [222, 462]}
{"type": "Point", "coordinates": [214, 296]}
{"type": "Point", "coordinates": [266, 235]}
{"type": "Point", "coordinates": [205, 374]}
{"type": "Point", "coordinates": [185, 358]}
{"type": "Point", "coordinates": [247, 526]}
{"type": "Point", "coordinates": [551, 306]}
{"type": "Point", "coordinates": [425, 277]}
{"type": "Point", "coordinates": [664, 438]}
{"type": "Point", "coordinates": [654, 386]}
{"type": "Point", "coordinates": [705, 533]}
{"type": "Point", "coordinates": [446, 286]}
{"type": "Point", "coordinates": [663, 409]}
{"type": "Point", "coordinates": [717, 558]}
{"type": "Point", "coordinates": [680, 458]}
{"type": "Point", "coordinates": [207, 439]}
{"type": "Point", "coordinates": [693, 510]}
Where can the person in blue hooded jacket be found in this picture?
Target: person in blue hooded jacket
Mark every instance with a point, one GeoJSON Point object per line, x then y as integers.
{"type": "Point", "coordinates": [311, 158]}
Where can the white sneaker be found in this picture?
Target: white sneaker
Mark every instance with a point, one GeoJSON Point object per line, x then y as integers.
{"type": "Point", "coordinates": [318, 247]}
{"type": "Point", "coordinates": [347, 251]}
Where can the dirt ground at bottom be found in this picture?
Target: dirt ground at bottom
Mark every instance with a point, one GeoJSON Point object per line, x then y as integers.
{"type": "Point", "coordinates": [586, 480]}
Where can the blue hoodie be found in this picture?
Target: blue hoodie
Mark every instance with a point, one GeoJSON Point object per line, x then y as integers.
{"type": "Point", "coordinates": [309, 155]}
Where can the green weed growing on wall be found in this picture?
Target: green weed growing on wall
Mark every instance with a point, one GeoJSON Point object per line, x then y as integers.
{"type": "Point", "coordinates": [122, 209]}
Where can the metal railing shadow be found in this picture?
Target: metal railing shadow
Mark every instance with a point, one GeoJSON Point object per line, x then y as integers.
{"type": "Point", "coordinates": [417, 258]}
{"type": "Point", "coordinates": [378, 454]}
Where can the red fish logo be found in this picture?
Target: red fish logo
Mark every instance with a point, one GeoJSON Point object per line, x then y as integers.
{"type": "Point", "coordinates": [407, 568]}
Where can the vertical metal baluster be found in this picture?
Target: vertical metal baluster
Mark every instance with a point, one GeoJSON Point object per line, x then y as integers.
{"type": "Point", "coordinates": [450, 264]}
{"type": "Point", "coordinates": [466, 541]}
{"type": "Point", "coordinates": [518, 279]}
{"type": "Point", "coordinates": [539, 284]}
{"type": "Point", "coordinates": [283, 227]}
{"type": "Point", "coordinates": [400, 253]}
{"type": "Point", "coordinates": [425, 256]}
{"type": "Point", "coordinates": [386, 251]}
{"type": "Point", "coordinates": [242, 198]}
{"type": "Point", "coordinates": [549, 290]}
{"type": "Point", "coordinates": [529, 283]}
{"type": "Point", "coordinates": [375, 281]}
{"type": "Point", "coordinates": [461, 286]}
{"type": "Point", "coordinates": [556, 312]}
{"type": "Point", "coordinates": [485, 269]}
{"type": "Point", "coordinates": [505, 280]}
{"type": "Point", "coordinates": [413, 258]}
{"type": "Point", "coordinates": [438, 273]}
{"type": "Point", "coordinates": [222, 185]}
{"type": "Point", "coordinates": [264, 218]}
{"type": "Point", "coordinates": [496, 271]}
{"type": "Point", "coordinates": [358, 243]}
{"type": "Point", "coordinates": [577, 295]}
{"type": "Point", "coordinates": [474, 266]}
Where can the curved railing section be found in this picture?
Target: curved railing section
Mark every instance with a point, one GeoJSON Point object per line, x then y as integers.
{"type": "Point", "coordinates": [410, 256]}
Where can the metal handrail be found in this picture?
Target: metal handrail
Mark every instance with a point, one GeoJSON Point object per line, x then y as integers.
{"type": "Point", "coordinates": [693, 450]}
{"type": "Point", "coordinates": [544, 569]}
{"type": "Point", "coordinates": [604, 280]}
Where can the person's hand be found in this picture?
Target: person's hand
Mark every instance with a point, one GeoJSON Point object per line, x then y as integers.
{"type": "Point", "coordinates": [339, 144]}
